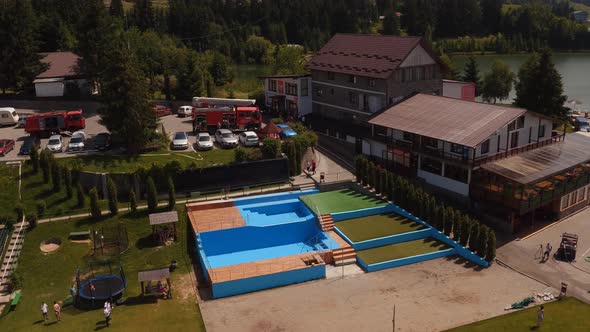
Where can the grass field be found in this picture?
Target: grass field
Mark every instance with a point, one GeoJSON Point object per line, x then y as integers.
{"type": "Point", "coordinates": [340, 201]}
{"type": "Point", "coordinates": [569, 314]}
{"type": "Point", "coordinates": [400, 250]}
{"type": "Point", "coordinates": [129, 164]}
{"type": "Point", "coordinates": [48, 277]}
{"type": "Point", "coordinates": [372, 227]}
{"type": "Point", "coordinates": [9, 191]}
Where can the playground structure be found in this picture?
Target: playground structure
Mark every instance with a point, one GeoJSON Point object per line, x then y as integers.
{"type": "Point", "coordinates": [164, 226]}
{"type": "Point", "coordinates": [99, 284]}
{"type": "Point", "coordinates": [110, 241]}
{"type": "Point", "coordinates": [155, 275]}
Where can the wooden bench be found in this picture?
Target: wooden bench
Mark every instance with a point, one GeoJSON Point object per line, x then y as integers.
{"type": "Point", "coordinates": [15, 301]}
{"type": "Point", "coordinates": [83, 235]}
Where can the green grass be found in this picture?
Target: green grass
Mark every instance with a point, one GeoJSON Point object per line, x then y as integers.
{"type": "Point", "coordinates": [372, 227]}
{"type": "Point", "coordinates": [569, 314]}
{"type": "Point", "coordinates": [9, 191]}
{"type": "Point", "coordinates": [509, 7]}
{"type": "Point", "coordinates": [340, 201]}
{"type": "Point", "coordinates": [49, 277]}
{"type": "Point", "coordinates": [245, 81]}
{"type": "Point", "coordinates": [129, 164]}
{"type": "Point", "coordinates": [400, 250]}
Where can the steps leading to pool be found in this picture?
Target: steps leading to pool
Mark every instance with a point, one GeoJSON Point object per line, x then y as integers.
{"type": "Point", "coordinates": [326, 222]}
{"type": "Point", "coordinates": [347, 254]}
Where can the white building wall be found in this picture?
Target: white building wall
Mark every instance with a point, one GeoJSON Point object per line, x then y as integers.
{"type": "Point", "coordinates": [418, 57]}
{"type": "Point", "coordinates": [444, 183]}
{"type": "Point", "coordinates": [452, 90]}
{"type": "Point", "coordinates": [50, 89]}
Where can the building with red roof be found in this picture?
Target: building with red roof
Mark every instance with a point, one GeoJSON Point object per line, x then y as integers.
{"type": "Point", "coordinates": [62, 77]}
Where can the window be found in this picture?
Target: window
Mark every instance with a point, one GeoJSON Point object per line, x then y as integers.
{"type": "Point", "coordinates": [520, 122]}
{"type": "Point", "coordinates": [414, 74]}
{"type": "Point", "coordinates": [331, 76]}
{"type": "Point", "coordinates": [430, 142]}
{"type": "Point", "coordinates": [421, 73]}
{"type": "Point", "coordinates": [457, 148]}
{"type": "Point", "coordinates": [456, 173]}
{"type": "Point", "coordinates": [408, 136]}
{"type": "Point", "coordinates": [291, 89]}
{"type": "Point", "coordinates": [319, 92]}
{"type": "Point", "coordinates": [380, 131]}
{"type": "Point", "coordinates": [514, 139]}
{"type": "Point", "coordinates": [405, 75]}
{"type": "Point", "coordinates": [485, 147]}
{"type": "Point", "coordinates": [512, 126]}
{"type": "Point", "coordinates": [573, 198]}
{"type": "Point", "coordinates": [272, 85]}
{"type": "Point", "coordinates": [401, 157]}
{"type": "Point", "coordinates": [352, 79]}
{"type": "Point", "coordinates": [541, 131]}
{"type": "Point", "coordinates": [331, 92]}
{"type": "Point", "coordinates": [304, 87]}
{"type": "Point", "coordinates": [372, 82]}
{"type": "Point", "coordinates": [353, 98]}
{"type": "Point", "coordinates": [431, 165]}
{"type": "Point", "coordinates": [365, 103]}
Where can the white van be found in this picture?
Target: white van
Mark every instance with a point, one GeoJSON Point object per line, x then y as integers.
{"type": "Point", "coordinates": [8, 116]}
{"type": "Point", "coordinates": [185, 111]}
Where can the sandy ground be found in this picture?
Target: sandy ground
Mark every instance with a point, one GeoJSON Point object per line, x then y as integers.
{"type": "Point", "coordinates": [429, 296]}
{"type": "Point", "coordinates": [48, 247]}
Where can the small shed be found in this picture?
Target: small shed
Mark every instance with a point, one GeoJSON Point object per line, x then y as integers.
{"type": "Point", "coordinates": [154, 275]}
{"type": "Point", "coordinates": [164, 225]}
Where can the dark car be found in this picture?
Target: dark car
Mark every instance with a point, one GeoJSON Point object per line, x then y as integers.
{"type": "Point", "coordinates": [102, 141]}
{"type": "Point", "coordinates": [6, 145]}
{"type": "Point", "coordinates": [28, 145]}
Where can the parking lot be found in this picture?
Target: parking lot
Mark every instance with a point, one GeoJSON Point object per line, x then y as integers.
{"type": "Point", "coordinates": [172, 124]}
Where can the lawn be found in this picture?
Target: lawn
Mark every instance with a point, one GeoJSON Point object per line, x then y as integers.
{"type": "Point", "coordinates": [380, 225]}
{"type": "Point", "coordinates": [129, 164]}
{"type": "Point", "coordinates": [9, 191]}
{"type": "Point", "coordinates": [48, 277]}
{"type": "Point", "coordinates": [569, 314]}
{"type": "Point", "coordinates": [401, 250]}
{"type": "Point", "coordinates": [340, 201]}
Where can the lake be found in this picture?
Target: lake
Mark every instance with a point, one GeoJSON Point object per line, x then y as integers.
{"type": "Point", "coordinates": [574, 70]}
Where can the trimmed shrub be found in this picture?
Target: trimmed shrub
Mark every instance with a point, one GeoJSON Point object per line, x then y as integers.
{"type": "Point", "coordinates": [32, 220]}
{"type": "Point", "coordinates": [483, 240]}
{"type": "Point", "coordinates": [358, 167]}
{"type": "Point", "coordinates": [80, 195]}
{"type": "Point", "coordinates": [55, 177]}
{"type": "Point", "coordinates": [465, 230]}
{"type": "Point", "coordinates": [152, 195]}
{"type": "Point", "coordinates": [20, 211]}
{"type": "Point", "coordinates": [240, 155]}
{"type": "Point", "coordinates": [113, 197]}
{"type": "Point", "coordinates": [41, 207]}
{"type": "Point", "coordinates": [132, 201]}
{"type": "Point", "coordinates": [491, 248]}
{"type": "Point", "coordinates": [94, 207]}
{"type": "Point", "coordinates": [34, 157]}
{"type": "Point", "coordinates": [271, 148]}
{"type": "Point", "coordinates": [474, 236]}
{"type": "Point", "coordinates": [171, 194]}
{"type": "Point", "coordinates": [68, 182]}
{"type": "Point", "coordinates": [44, 164]}
{"type": "Point", "coordinates": [457, 231]}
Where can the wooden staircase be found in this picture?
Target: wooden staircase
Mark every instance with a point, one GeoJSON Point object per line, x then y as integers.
{"type": "Point", "coordinates": [344, 255]}
{"type": "Point", "coordinates": [326, 222]}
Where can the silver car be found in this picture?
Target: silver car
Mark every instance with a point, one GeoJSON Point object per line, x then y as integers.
{"type": "Point", "coordinates": [55, 143]}
{"type": "Point", "coordinates": [204, 141]}
{"type": "Point", "coordinates": [225, 138]}
{"type": "Point", "coordinates": [77, 141]}
{"type": "Point", "coordinates": [249, 138]}
{"type": "Point", "coordinates": [180, 141]}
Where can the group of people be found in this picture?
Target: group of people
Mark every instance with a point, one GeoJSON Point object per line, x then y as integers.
{"type": "Point", "coordinates": [57, 310]}
{"type": "Point", "coordinates": [311, 166]}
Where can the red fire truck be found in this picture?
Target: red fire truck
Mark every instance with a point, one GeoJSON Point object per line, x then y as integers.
{"type": "Point", "coordinates": [213, 113]}
{"type": "Point", "coordinates": [45, 124]}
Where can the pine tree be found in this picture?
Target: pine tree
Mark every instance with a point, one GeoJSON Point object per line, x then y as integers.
{"type": "Point", "coordinates": [458, 227]}
{"type": "Point", "coordinates": [55, 176]}
{"type": "Point", "coordinates": [34, 156]}
{"type": "Point", "coordinates": [465, 230]}
{"type": "Point", "coordinates": [171, 194]}
{"type": "Point", "coordinates": [94, 207]}
{"type": "Point", "coordinates": [80, 196]}
{"type": "Point", "coordinates": [113, 197]}
{"type": "Point", "coordinates": [491, 248]}
{"type": "Point", "coordinates": [358, 169]}
{"type": "Point", "coordinates": [484, 232]}
{"type": "Point", "coordinates": [44, 163]}
{"type": "Point", "coordinates": [68, 182]}
{"type": "Point", "coordinates": [391, 186]}
{"type": "Point", "coordinates": [391, 24]}
{"type": "Point", "coordinates": [152, 195]}
{"type": "Point", "coordinates": [471, 74]}
{"type": "Point", "coordinates": [366, 171]}
{"type": "Point", "coordinates": [116, 8]}
{"type": "Point", "coordinates": [497, 83]}
{"type": "Point", "coordinates": [474, 236]}
{"type": "Point", "coordinates": [450, 220]}
{"type": "Point", "coordinates": [132, 201]}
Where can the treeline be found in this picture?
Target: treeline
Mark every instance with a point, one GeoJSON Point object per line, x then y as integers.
{"type": "Point", "coordinates": [463, 228]}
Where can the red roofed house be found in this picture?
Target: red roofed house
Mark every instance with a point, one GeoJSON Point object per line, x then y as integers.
{"type": "Point", "coordinates": [354, 76]}
{"type": "Point", "coordinates": [62, 77]}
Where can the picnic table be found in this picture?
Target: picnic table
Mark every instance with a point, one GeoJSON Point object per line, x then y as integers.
{"type": "Point", "coordinates": [80, 235]}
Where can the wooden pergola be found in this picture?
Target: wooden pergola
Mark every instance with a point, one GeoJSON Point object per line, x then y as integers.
{"type": "Point", "coordinates": [163, 219]}
{"type": "Point", "coordinates": [155, 275]}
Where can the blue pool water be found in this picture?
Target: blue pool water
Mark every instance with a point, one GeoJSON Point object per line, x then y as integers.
{"type": "Point", "coordinates": [276, 212]}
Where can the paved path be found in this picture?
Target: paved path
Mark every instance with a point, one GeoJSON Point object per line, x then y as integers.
{"type": "Point", "coordinates": [333, 170]}
{"type": "Point", "coordinates": [524, 256]}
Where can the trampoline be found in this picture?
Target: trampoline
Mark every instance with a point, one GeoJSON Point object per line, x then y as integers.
{"type": "Point", "coordinates": [105, 287]}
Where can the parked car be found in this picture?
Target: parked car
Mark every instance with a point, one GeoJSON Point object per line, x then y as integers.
{"type": "Point", "coordinates": [8, 116]}
{"type": "Point", "coordinates": [249, 138]}
{"type": "Point", "coordinates": [180, 141]}
{"type": "Point", "coordinates": [102, 141]}
{"type": "Point", "coordinates": [28, 143]}
{"type": "Point", "coordinates": [286, 131]}
{"type": "Point", "coordinates": [582, 124]}
{"type": "Point", "coordinates": [55, 143]}
{"type": "Point", "coordinates": [204, 141]}
{"type": "Point", "coordinates": [77, 142]}
{"type": "Point", "coordinates": [162, 110]}
{"type": "Point", "coordinates": [185, 111]}
{"type": "Point", "coordinates": [6, 145]}
{"type": "Point", "coordinates": [225, 138]}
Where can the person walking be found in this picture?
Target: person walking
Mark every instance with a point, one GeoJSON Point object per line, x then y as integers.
{"type": "Point", "coordinates": [308, 166]}
{"type": "Point", "coordinates": [313, 167]}
{"type": "Point", "coordinates": [540, 316]}
{"type": "Point", "coordinates": [107, 314]}
{"type": "Point", "coordinates": [44, 311]}
{"type": "Point", "coordinates": [57, 310]}
{"type": "Point", "coordinates": [547, 252]}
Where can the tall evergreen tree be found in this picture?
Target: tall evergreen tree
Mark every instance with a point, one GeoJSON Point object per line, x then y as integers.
{"type": "Point", "coordinates": [482, 241]}
{"type": "Point", "coordinates": [492, 15]}
{"type": "Point", "coordinates": [34, 156]}
{"type": "Point", "coordinates": [171, 194]}
{"type": "Point", "coordinates": [94, 206]}
{"type": "Point", "coordinates": [471, 74]}
{"type": "Point", "coordinates": [474, 236]}
{"type": "Point", "coordinates": [449, 68]}
{"type": "Point", "coordinates": [81, 199]}
{"type": "Point", "coordinates": [20, 61]}
{"type": "Point", "coordinates": [68, 182]}
{"type": "Point", "coordinates": [391, 24]}
{"type": "Point", "coordinates": [152, 195]}
{"type": "Point", "coordinates": [132, 201]}
{"type": "Point", "coordinates": [465, 230]}
{"type": "Point", "coordinates": [498, 82]}
{"type": "Point", "coordinates": [113, 196]}
{"type": "Point", "coordinates": [116, 8]}
{"type": "Point", "coordinates": [491, 247]}
{"type": "Point", "coordinates": [539, 87]}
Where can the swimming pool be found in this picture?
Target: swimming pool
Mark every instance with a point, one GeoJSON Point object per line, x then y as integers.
{"type": "Point", "coordinates": [275, 212]}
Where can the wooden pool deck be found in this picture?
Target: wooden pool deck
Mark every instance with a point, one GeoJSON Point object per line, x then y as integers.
{"type": "Point", "coordinates": [214, 215]}
{"type": "Point", "coordinates": [264, 267]}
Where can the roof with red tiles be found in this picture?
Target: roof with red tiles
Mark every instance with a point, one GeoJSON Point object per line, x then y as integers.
{"type": "Point", "coordinates": [366, 55]}
{"type": "Point", "coordinates": [452, 120]}
{"type": "Point", "coordinates": [61, 64]}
